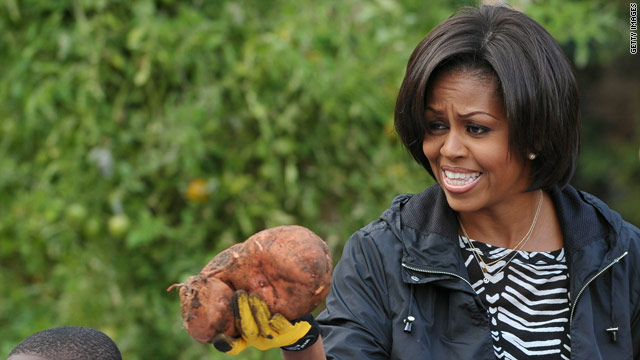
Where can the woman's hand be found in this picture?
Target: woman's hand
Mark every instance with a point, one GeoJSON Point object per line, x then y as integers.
{"type": "Point", "coordinates": [258, 328]}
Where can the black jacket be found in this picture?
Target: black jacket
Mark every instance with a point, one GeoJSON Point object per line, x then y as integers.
{"type": "Point", "coordinates": [409, 263]}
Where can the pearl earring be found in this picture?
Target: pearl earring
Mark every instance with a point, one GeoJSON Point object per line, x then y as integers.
{"type": "Point", "coordinates": [532, 156]}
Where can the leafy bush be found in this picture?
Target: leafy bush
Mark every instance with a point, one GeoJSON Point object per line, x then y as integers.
{"type": "Point", "coordinates": [274, 113]}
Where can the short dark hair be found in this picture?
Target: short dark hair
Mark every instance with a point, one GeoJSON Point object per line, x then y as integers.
{"type": "Point", "coordinates": [535, 81]}
{"type": "Point", "coordinates": [69, 343]}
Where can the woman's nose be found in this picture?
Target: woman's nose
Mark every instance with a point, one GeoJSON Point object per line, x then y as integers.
{"type": "Point", "coordinates": [453, 146]}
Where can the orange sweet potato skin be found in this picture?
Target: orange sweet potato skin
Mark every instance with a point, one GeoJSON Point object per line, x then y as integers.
{"type": "Point", "coordinates": [204, 302]}
{"type": "Point", "coordinates": [288, 266]}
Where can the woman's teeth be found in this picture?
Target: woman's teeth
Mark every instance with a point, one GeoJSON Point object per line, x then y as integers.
{"type": "Point", "coordinates": [455, 178]}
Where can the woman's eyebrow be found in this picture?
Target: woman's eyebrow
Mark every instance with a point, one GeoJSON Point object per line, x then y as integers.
{"type": "Point", "coordinates": [467, 115]}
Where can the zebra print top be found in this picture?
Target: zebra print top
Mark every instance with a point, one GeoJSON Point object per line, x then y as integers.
{"type": "Point", "coordinates": [528, 301]}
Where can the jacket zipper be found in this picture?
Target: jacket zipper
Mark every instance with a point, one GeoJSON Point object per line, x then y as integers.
{"type": "Point", "coordinates": [437, 272]}
{"type": "Point", "coordinates": [573, 306]}
{"type": "Point", "coordinates": [575, 302]}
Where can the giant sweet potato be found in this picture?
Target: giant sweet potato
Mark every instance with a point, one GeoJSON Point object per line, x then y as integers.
{"type": "Point", "coordinates": [288, 266]}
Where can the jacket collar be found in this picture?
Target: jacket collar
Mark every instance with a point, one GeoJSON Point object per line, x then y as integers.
{"type": "Point", "coordinates": [428, 229]}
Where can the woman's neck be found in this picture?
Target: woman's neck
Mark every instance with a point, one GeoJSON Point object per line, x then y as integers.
{"type": "Point", "coordinates": [506, 225]}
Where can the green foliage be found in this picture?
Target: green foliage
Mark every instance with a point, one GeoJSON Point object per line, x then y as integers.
{"type": "Point", "coordinates": [610, 167]}
{"type": "Point", "coordinates": [590, 30]}
{"type": "Point", "coordinates": [113, 109]}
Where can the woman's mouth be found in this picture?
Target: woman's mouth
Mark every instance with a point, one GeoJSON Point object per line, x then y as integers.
{"type": "Point", "coordinates": [459, 182]}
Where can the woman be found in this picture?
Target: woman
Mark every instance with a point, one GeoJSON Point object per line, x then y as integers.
{"type": "Point", "coordinates": [500, 259]}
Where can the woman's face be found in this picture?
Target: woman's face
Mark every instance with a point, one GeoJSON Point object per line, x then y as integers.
{"type": "Point", "coordinates": [467, 144]}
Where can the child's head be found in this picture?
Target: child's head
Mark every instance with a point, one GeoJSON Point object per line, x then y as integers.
{"type": "Point", "coordinates": [68, 343]}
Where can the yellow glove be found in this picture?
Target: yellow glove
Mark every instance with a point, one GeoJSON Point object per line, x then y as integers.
{"type": "Point", "coordinates": [257, 327]}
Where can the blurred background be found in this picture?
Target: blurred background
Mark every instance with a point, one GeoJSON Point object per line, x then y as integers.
{"type": "Point", "coordinates": [140, 138]}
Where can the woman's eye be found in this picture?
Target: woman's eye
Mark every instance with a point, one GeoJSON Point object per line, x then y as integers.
{"type": "Point", "coordinates": [436, 126]}
{"type": "Point", "coordinates": [477, 129]}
